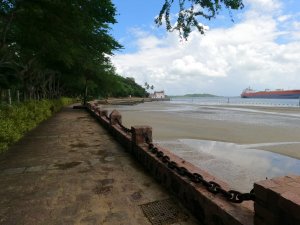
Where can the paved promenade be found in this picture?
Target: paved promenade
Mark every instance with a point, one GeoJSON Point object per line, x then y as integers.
{"type": "Point", "coordinates": [69, 170]}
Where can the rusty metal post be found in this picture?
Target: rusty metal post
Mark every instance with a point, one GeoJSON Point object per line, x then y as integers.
{"type": "Point", "coordinates": [115, 117]}
{"type": "Point", "coordinates": [139, 133]}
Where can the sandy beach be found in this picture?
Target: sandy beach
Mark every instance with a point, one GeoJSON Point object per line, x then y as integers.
{"type": "Point", "coordinates": [169, 124]}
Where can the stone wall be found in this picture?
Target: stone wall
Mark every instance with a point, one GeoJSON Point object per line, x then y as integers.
{"type": "Point", "coordinates": [275, 203]}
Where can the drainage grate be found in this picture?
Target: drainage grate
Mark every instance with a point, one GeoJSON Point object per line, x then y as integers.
{"type": "Point", "coordinates": [164, 212]}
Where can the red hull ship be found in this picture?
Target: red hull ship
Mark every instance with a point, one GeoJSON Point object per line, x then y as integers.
{"type": "Point", "coordinates": [280, 93]}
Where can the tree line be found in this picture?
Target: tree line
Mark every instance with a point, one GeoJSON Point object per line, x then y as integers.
{"type": "Point", "coordinates": [52, 48]}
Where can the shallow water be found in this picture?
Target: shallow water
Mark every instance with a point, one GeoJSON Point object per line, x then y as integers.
{"type": "Point", "coordinates": [213, 111]}
{"type": "Point", "coordinates": [238, 101]}
{"type": "Point", "coordinates": [238, 165]}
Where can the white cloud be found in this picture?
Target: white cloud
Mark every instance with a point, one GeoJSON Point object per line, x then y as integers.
{"type": "Point", "coordinates": [284, 18]}
{"type": "Point", "coordinates": [224, 61]}
{"type": "Point", "coordinates": [264, 5]}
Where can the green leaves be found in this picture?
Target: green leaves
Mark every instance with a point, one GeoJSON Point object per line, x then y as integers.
{"type": "Point", "coordinates": [65, 37]}
{"type": "Point", "coordinates": [190, 11]}
{"type": "Point", "coordinates": [16, 120]}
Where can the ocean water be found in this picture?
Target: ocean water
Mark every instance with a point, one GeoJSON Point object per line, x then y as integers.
{"type": "Point", "coordinates": [237, 101]}
{"type": "Point", "coordinates": [240, 165]}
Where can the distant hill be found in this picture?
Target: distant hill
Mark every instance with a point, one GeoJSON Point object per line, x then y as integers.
{"type": "Point", "coordinates": [194, 95]}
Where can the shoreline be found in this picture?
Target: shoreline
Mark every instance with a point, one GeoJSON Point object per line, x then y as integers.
{"type": "Point", "coordinates": [169, 124]}
{"type": "Point", "coordinates": [238, 146]}
{"type": "Point", "coordinates": [129, 100]}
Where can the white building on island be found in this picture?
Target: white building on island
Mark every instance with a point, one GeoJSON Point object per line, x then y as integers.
{"type": "Point", "coordinates": [158, 94]}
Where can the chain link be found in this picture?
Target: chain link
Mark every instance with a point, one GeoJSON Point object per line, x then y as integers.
{"type": "Point", "coordinates": [212, 186]}
{"type": "Point", "coordinates": [127, 130]}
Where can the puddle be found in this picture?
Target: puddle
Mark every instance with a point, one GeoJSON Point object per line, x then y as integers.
{"type": "Point", "coordinates": [239, 165]}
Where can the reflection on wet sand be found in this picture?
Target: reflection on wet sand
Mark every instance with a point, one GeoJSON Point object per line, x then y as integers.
{"type": "Point", "coordinates": [230, 141]}
{"type": "Point", "coordinates": [239, 165]}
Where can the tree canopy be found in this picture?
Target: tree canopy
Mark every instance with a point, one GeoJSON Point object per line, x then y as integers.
{"type": "Point", "coordinates": [51, 48]}
{"type": "Point", "coordinates": [191, 11]}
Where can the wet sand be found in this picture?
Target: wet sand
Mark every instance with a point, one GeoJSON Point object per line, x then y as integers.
{"type": "Point", "coordinates": [267, 124]}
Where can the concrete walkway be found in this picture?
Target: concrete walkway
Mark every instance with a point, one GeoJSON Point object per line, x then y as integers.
{"type": "Point", "coordinates": [69, 170]}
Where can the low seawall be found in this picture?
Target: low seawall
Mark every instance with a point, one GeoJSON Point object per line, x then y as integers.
{"type": "Point", "coordinates": [271, 202]}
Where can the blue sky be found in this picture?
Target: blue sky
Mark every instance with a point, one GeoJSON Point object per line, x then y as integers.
{"type": "Point", "coordinates": [134, 14]}
{"type": "Point", "coordinates": [260, 49]}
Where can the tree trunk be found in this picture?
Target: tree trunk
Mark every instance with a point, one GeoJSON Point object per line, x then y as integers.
{"type": "Point", "coordinates": [9, 96]}
{"type": "Point", "coordinates": [18, 96]}
{"type": "Point", "coordinates": [85, 92]}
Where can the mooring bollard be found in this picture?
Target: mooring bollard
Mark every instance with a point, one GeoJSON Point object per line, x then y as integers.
{"type": "Point", "coordinates": [140, 134]}
{"type": "Point", "coordinates": [115, 117]}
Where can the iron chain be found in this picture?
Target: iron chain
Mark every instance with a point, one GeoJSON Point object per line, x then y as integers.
{"type": "Point", "coordinates": [127, 130]}
{"type": "Point", "coordinates": [211, 186]}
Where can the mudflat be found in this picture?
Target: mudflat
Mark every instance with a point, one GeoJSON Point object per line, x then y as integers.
{"type": "Point", "coordinates": [226, 123]}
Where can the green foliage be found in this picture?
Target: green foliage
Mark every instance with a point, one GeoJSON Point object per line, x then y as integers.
{"type": "Point", "coordinates": [190, 11]}
{"type": "Point", "coordinates": [112, 85]}
{"type": "Point", "coordinates": [127, 86]}
{"type": "Point", "coordinates": [18, 119]}
{"type": "Point", "coordinates": [49, 47]}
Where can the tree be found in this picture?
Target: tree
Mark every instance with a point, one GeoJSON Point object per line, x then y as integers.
{"type": "Point", "coordinates": [190, 11]}
{"type": "Point", "coordinates": [55, 45]}
{"type": "Point", "coordinates": [147, 86]}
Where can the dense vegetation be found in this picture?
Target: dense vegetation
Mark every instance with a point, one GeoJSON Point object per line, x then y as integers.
{"type": "Point", "coordinates": [51, 48]}
{"type": "Point", "coordinates": [17, 119]}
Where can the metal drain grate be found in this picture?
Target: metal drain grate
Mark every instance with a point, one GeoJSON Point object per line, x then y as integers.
{"type": "Point", "coordinates": [164, 212]}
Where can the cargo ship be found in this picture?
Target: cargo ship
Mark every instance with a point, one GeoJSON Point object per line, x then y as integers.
{"type": "Point", "coordinates": [279, 93]}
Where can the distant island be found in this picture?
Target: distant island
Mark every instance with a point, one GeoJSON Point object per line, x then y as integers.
{"type": "Point", "coordinates": [193, 95]}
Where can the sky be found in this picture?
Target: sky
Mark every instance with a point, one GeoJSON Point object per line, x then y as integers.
{"type": "Point", "coordinates": [260, 49]}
